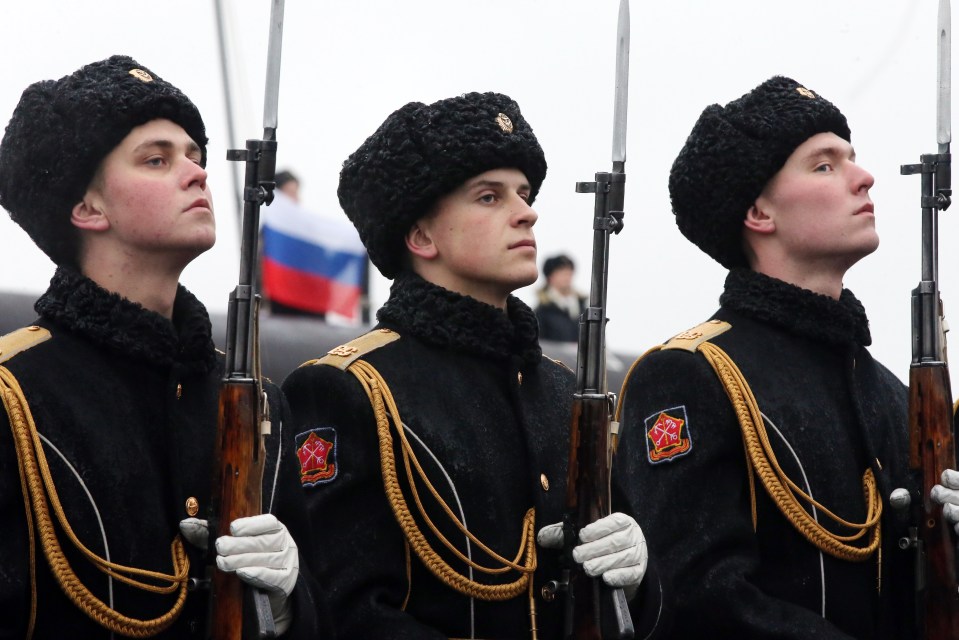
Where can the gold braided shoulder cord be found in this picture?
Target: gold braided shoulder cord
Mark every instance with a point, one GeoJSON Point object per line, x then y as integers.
{"type": "Point", "coordinates": [385, 410]}
{"type": "Point", "coordinates": [37, 483]}
{"type": "Point", "coordinates": [788, 497]}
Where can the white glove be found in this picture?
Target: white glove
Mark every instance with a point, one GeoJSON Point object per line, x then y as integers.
{"type": "Point", "coordinates": [613, 547]}
{"type": "Point", "coordinates": [947, 494]}
{"type": "Point", "coordinates": [262, 553]}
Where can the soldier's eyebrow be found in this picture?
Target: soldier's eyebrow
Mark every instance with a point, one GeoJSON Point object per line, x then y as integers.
{"type": "Point", "coordinates": [165, 144]}
{"type": "Point", "coordinates": [486, 183]}
{"type": "Point", "coordinates": [831, 151]}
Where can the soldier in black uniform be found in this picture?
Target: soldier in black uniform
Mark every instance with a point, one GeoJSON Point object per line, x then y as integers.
{"type": "Point", "coordinates": [759, 448]}
{"type": "Point", "coordinates": [559, 305]}
{"type": "Point", "coordinates": [434, 447]}
{"type": "Point", "coordinates": [111, 399]}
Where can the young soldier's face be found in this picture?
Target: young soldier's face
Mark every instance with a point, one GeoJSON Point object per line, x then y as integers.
{"type": "Point", "coordinates": [819, 204]}
{"type": "Point", "coordinates": [483, 236]}
{"type": "Point", "coordinates": [154, 196]}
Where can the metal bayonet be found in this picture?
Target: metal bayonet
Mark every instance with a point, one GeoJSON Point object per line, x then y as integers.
{"type": "Point", "coordinates": [271, 96]}
{"type": "Point", "coordinates": [621, 101]}
{"type": "Point", "coordinates": [944, 102]}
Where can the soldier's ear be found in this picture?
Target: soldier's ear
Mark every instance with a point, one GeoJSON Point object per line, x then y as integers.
{"type": "Point", "coordinates": [419, 241]}
{"type": "Point", "coordinates": [88, 213]}
{"type": "Point", "coordinates": [758, 220]}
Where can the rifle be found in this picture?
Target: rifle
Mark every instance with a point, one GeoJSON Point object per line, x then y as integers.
{"type": "Point", "coordinates": [594, 610]}
{"type": "Point", "coordinates": [243, 418]}
{"type": "Point", "coordinates": [932, 445]}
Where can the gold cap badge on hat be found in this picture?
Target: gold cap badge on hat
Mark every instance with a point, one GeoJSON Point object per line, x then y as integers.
{"type": "Point", "coordinates": [803, 91]}
{"type": "Point", "coordinates": [141, 75]}
{"type": "Point", "coordinates": [504, 123]}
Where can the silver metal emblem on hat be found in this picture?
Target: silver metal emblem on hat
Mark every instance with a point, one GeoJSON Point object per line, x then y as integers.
{"type": "Point", "coordinates": [803, 91]}
{"type": "Point", "coordinates": [141, 75]}
{"type": "Point", "coordinates": [504, 122]}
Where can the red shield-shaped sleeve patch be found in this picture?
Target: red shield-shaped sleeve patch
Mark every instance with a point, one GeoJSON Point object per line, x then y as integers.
{"type": "Point", "coordinates": [667, 435]}
{"type": "Point", "coordinates": [316, 450]}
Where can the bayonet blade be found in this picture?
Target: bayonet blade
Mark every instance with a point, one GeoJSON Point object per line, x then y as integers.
{"type": "Point", "coordinates": [944, 103]}
{"type": "Point", "coordinates": [622, 84]}
{"type": "Point", "coordinates": [272, 94]}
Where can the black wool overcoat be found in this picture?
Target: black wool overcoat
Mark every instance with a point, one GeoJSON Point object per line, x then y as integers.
{"type": "Point", "coordinates": [487, 416]}
{"type": "Point", "coordinates": [831, 412]}
{"type": "Point", "coordinates": [125, 403]}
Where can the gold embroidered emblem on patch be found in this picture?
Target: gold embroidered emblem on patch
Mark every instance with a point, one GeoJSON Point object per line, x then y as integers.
{"type": "Point", "coordinates": [803, 91]}
{"type": "Point", "coordinates": [504, 123]}
{"type": "Point", "coordinates": [343, 351]}
{"type": "Point", "coordinates": [688, 335]}
{"type": "Point", "coordinates": [141, 75]}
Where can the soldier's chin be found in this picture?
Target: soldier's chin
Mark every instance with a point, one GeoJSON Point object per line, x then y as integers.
{"type": "Point", "coordinates": [527, 279]}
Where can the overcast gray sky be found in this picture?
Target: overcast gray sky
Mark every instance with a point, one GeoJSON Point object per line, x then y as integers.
{"type": "Point", "coordinates": [347, 65]}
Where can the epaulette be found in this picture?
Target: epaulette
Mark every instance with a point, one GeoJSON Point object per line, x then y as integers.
{"type": "Point", "coordinates": [20, 340]}
{"type": "Point", "coordinates": [344, 355]}
{"type": "Point", "coordinates": [692, 338]}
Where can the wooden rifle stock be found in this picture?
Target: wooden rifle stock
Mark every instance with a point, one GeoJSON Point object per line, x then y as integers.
{"type": "Point", "coordinates": [237, 491]}
{"type": "Point", "coordinates": [931, 449]}
{"type": "Point", "coordinates": [594, 611]}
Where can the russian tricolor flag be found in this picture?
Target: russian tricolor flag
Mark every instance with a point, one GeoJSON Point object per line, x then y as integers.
{"type": "Point", "coordinates": [311, 262]}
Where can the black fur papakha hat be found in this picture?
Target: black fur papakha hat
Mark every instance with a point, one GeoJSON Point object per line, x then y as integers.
{"type": "Point", "coordinates": [62, 129]}
{"type": "Point", "coordinates": [421, 153]}
{"type": "Point", "coordinates": [732, 153]}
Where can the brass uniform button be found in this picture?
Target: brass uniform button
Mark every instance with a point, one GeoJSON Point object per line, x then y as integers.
{"type": "Point", "coordinates": [192, 506]}
{"type": "Point", "coordinates": [544, 481]}
{"type": "Point", "coordinates": [33, 328]}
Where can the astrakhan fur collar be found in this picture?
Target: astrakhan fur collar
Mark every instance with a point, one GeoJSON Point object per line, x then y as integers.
{"type": "Point", "coordinates": [120, 325]}
{"type": "Point", "coordinates": [804, 312]}
{"type": "Point", "coordinates": [446, 319]}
